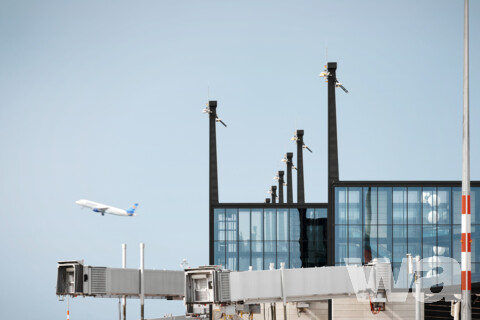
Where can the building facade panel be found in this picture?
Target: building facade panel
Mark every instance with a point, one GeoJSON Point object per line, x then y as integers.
{"type": "Point", "coordinates": [397, 220]}
{"type": "Point", "coordinates": [259, 237]}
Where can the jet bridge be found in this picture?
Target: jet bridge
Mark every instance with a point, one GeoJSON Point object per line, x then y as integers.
{"type": "Point", "coordinates": [235, 292]}
{"type": "Point", "coordinates": [243, 290]}
{"type": "Point", "coordinates": [76, 279]}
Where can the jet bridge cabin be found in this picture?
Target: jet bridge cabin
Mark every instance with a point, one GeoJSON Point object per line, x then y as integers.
{"type": "Point", "coordinates": [73, 278]}
{"type": "Point", "coordinates": [70, 277]}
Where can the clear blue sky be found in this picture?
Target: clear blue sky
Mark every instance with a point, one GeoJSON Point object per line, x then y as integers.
{"type": "Point", "coordinates": [102, 100]}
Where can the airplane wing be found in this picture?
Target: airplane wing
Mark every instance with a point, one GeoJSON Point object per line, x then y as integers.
{"type": "Point", "coordinates": [99, 209]}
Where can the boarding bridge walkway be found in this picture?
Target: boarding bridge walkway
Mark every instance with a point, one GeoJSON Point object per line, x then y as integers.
{"type": "Point", "coordinates": [211, 285]}
{"type": "Point", "coordinates": [76, 279]}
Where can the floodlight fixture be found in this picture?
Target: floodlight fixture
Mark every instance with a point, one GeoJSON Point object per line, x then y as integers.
{"type": "Point", "coordinates": [208, 111]}
{"type": "Point", "coordinates": [296, 139]}
{"type": "Point", "coordinates": [326, 74]}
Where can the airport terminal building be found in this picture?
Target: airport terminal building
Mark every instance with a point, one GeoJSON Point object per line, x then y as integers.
{"type": "Point", "coordinates": [343, 259]}
{"type": "Point", "coordinates": [362, 220]}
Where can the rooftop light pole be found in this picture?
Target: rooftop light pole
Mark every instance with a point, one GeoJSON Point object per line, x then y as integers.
{"type": "Point", "coordinates": [466, 216]}
{"type": "Point", "coordinates": [333, 175]}
{"type": "Point", "coordinates": [281, 182]}
{"type": "Point", "coordinates": [298, 138]}
{"type": "Point", "coordinates": [288, 160]}
{"type": "Point", "coordinates": [273, 192]}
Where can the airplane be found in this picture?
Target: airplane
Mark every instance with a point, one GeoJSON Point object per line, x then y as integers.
{"type": "Point", "coordinates": [103, 208]}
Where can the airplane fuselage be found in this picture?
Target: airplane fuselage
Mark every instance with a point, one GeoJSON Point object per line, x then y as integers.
{"type": "Point", "coordinates": [103, 208]}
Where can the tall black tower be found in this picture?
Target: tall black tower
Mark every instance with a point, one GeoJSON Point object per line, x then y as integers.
{"type": "Point", "coordinates": [300, 178]}
{"type": "Point", "coordinates": [289, 157]}
{"type": "Point", "coordinates": [281, 182]}
{"type": "Point", "coordinates": [213, 174]}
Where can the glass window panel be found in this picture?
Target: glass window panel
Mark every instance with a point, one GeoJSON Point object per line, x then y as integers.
{"type": "Point", "coordinates": [399, 243]}
{"type": "Point", "coordinates": [232, 256]}
{"type": "Point", "coordinates": [321, 213]}
{"type": "Point", "coordinates": [244, 224]}
{"type": "Point", "coordinates": [400, 206]}
{"type": "Point", "coordinates": [310, 213]}
{"type": "Point", "coordinates": [475, 205]}
{"type": "Point", "coordinates": [269, 255]}
{"type": "Point", "coordinates": [340, 205]}
{"type": "Point", "coordinates": [257, 255]}
{"type": "Point", "coordinates": [270, 224]}
{"type": "Point", "coordinates": [317, 230]}
{"type": "Point", "coordinates": [429, 241]}
{"type": "Point", "coordinates": [282, 224]}
{"type": "Point", "coordinates": [429, 201]}
{"type": "Point", "coordinates": [355, 242]}
{"type": "Point", "coordinates": [414, 206]}
{"type": "Point", "coordinates": [370, 250]}
{"type": "Point", "coordinates": [219, 224]}
{"type": "Point", "coordinates": [457, 205]}
{"type": "Point", "coordinates": [312, 258]}
{"type": "Point", "coordinates": [321, 253]}
{"type": "Point", "coordinates": [457, 244]}
{"type": "Point", "coordinates": [341, 241]}
{"type": "Point", "coordinates": [444, 208]}
{"type": "Point", "coordinates": [354, 206]}
{"type": "Point", "coordinates": [385, 242]}
{"type": "Point", "coordinates": [257, 224]}
{"type": "Point", "coordinates": [219, 252]}
{"type": "Point", "coordinates": [295, 261]}
{"type": "Point", "coordinates": [231, 220]}
{"type": "Point", "coordinates": [414, 240]}
{"type": "Point", "coordinates": [244, 255]}
{"type": "Point", "coordinates": [370, 205]}
{"type": "Point", "coordinates": [282, 253]}
{"type": "Point", "coordinates": [444, 241]}
{"type": "Point", "coordinates": [475, 244]}
{"type": "Point", "coordinates": [294, 224]}
{"type": "Point", "coordinates": [475, 272]}
{"type": "Point", "coordinates": [385, 206]}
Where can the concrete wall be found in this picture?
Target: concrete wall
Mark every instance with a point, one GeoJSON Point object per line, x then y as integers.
{"type": "Point", "coordinates": [350, 308]}
{"type": "Point", "coordinates": [345, 308]}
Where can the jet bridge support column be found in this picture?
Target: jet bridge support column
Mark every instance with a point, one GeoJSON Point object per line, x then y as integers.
{"type": "Point", "coordinates": [142, 282]}
{"type": "Point", "coordinates": [124, 265]}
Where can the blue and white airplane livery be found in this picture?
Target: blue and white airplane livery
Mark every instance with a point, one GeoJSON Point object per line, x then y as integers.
{"type": "Point", "coordinates": [103, 208]}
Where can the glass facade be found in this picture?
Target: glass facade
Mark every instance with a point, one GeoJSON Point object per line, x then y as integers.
{"type": "Point", "coordinates": [389, 222]}
{"type": "Point", "coordinates": [246, 237]}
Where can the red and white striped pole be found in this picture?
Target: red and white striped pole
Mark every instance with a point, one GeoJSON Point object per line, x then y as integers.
{"type": "Point", "coordinates": [68, 308]}
{"type": "Point", "coordinates": [466, 222]}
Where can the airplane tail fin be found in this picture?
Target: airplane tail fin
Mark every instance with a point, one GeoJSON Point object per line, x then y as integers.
{"type": "Point", "coordinates": [131, 210]}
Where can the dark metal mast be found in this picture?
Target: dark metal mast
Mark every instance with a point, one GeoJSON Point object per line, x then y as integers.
{"type": "Point", "coordinates": [333, 175]}
{"type": "Point", "coordinates": [281, 182]}
{"type": "Point", "coordinates": [289, 157]}
{"type": "Point", "coordinates": [300, 178]}
{"type": "Point", "coordinates": [273, 191]}
{"type": "Point", "coordinates": [213, 174]}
